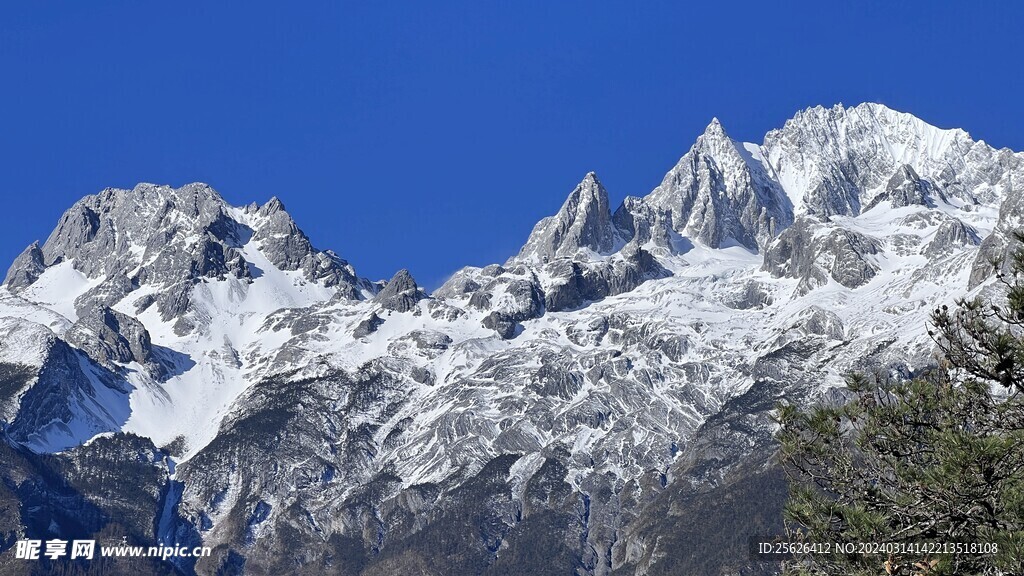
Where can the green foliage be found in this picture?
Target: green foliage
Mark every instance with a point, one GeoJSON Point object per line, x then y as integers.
{"type": "Point", "coordinates": [934, 460]}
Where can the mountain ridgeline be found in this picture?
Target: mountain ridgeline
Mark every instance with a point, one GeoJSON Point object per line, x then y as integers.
{"type": "Point", "coordinates": [177, 370]}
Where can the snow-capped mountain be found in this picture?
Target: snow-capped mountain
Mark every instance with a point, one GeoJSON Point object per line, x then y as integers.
{"type": "Point", "coordinates": [574, 410]}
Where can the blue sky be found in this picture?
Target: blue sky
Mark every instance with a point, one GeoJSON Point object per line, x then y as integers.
{"type": "Point", "coordinates": [434, 135]}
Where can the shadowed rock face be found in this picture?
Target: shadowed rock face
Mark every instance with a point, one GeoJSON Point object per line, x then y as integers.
{"type": "Point", "coordinates": [400, 293]}
{"type": "Point", "coordinates": [288, 248]}
{"type": "Point", "coordinates": [574, 284]}
{"type": "Point", "coordinates": [995, 250]}
{"type": "Point", "coordinates": [719, 195]}
{"type": "Point", "coordinates": [110, 336]}
{"type": "Point", "coordinates": [803, 252]}
{"type": "Point", "coordinates": [644, 224]}
{"type": "Point", "coordinates": [952, 235]}
{"type": "Point", "coordinates": [905, 188]}
{"type": "Point", "coordinates": [368, 326]}
{"type": "Point", "coordinates": [26, 268]}
{"type": "Point", "coordinates": [583, 222]}
{"type": "Point", "coordinates": [511, 298]}
{"type": "Point", "coordinates": [65, 401]}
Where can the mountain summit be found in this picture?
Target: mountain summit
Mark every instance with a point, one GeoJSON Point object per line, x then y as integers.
{"type": "Point", "coordinates": [583, 222]}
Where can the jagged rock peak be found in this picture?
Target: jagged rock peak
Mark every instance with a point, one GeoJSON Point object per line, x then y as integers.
{"type": "Point", "coordinates": [272, 206]}
{"type": "Point", "coordinates": [886, 120]}
{"type": "Point", "coordinates": [830, 160]}
{"type": "Point", "coordinates": [714, 127]}
{"type": "Point", "coordinates": [170, 239]}
{"type": "Point", "coordinates": [583, 222]}
{"type": "Point", "coordinates": [716, 141]}
{"type": "Point", "coordinates": [720, 193]}
{"type": "Point", "coordinates": [401, 293]}
{"type": "Point", "coordinates": [110, 336]}
{"type": "Point", "coordinates": [106, 232]}
{"type": "Point", "coordinates": [905, 188]}
{"type": "Point", "coordinates": [26, 268]}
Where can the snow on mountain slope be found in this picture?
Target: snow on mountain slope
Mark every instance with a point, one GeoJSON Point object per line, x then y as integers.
{"type": "Point", "coordinates": [619, 352]}
{"type": "Point", "coordinates": [194, 271]}
{"type": "Point", "coordinates": [830, 160]}
{"type": "Point", "coordinates": [612, 335]}
{"type": "Point", "coordinates": [58, 287]}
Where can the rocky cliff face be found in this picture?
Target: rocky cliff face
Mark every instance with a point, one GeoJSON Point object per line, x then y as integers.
{"type": "Point", "coordinates": [721, 194]}
{"type": "Point", "coordinates": [583, 223]}
{"type": "Point", "coordinates": [577, 410]}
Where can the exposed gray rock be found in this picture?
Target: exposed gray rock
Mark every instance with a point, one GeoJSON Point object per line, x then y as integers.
{"type": "Point", "coordinates": [109, 292]}
{"type": "Point", "coordinates": [923, 219]}
{"type": "Point", "coordinates": [589, 333]}
{"type": "Point", "coordinates": [400, 293]}
{"type": "Point", "coordinates": [642, 223]}
{"type": "Point", "coordinates": [749, 295]}
{"type": "Point", "coordinates": [288, 248]}
{"type": "Point", "coordinates": [820, 322]}
{"type": "Point", "coordinates": [172, 238]}
{"type": "Point", "coordinates": [565, 291]}
{"type": "Point", "coordinates": [557, 451]}
{"type": "Point", "coordinates": [424, 343]}
{"type": "Point", "coordinates": [800, 252]}
{"type": "Point", "coordinates": [836, 155]}
{"type": "Point", "coordinates": [110, 337]}
{"type": "Point", "coordinates": [26, 268]}
{"type": "Point", "coordinates": [173, 303]}
{"type": "Point", "coordinates": [492, 270]}
{"type": "Point", "coordinates": [461, 284]}
{"type": "Point", "coordinates": [790, 255]}
{"type": "Point", "coordinates": [367, 326]}
{"type": "Point", "coordinates": [423, 376]}
{"type": "Point", "coordinates": [517, 297]}
{"type": "Point", "coordinates": [442, 311]}
{"type": "Point", "coordinates": [501, 323]}
{"type": "Point", "coordinates": [557, 376]}
{"type": "Point", "coordinates": [583, 222]}
{"type": "Point", "coordinates": [718, 194]}
{"type": "Point", "coordinates": [995, 251]}
{"type": "Point", "coordinates": [171, 233]}
{"type": "Point", "coordinates": [850, 250]}
{"type": "Point", "coordinates": [69, 400]}
{"type": "Point", "coordinates": [951, 236]}
{"type": "Point", "coordinates": [905, 188]}
{"type": "Point", "coordinates": [904, 244]}
{"type": "Point", "coordinates": [574, 284]}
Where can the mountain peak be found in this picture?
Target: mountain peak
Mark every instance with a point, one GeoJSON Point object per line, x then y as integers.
{"type": "Point", "coordinates": [829, 159]}
{"type": "Point", "coordinates": [716, 143]}
{"type": "Point", "coordinates": [720, 193]}
{"type": "Point", "coordinates": [584, 221]}
{"type": "Point", "coordinates": [714, 128]}
{"type": "Point", "coordinates": [401, 293]}
{"type": "Point", "coordinates": [273, 206]}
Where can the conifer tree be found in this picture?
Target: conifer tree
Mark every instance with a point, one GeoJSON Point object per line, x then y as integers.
{"type": "Point", "coordinates": [932, 465]}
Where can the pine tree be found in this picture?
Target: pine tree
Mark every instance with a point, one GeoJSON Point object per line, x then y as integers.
{"type": "Point", "coordinates": [937, 460]}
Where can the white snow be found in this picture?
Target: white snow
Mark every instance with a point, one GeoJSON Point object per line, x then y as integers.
{"type": "Point", "coordinates": [58, 287]}
{"type": "Point", "coordinates": [241, 327]}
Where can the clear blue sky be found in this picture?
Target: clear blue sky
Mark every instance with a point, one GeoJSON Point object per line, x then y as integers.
{"type": "Point", "coordinates": [431, 135]}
